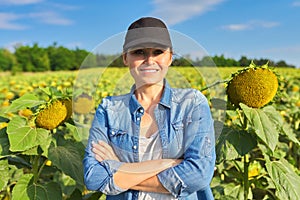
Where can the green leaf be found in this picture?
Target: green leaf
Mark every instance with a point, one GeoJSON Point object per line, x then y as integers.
{"type": "Point", "coordinates": [25, 189]}
{"type": "Point", "coordinates": [288, 131]}
{"type": "Point", "coordinates": [286, 181]}
{"type": "Point", "coordinates": [233, 190]}
{"type": "Point", "coordinates": [46, 90]}
{"type": "Point", "coordinates": [242, 141]}
{"type": "Point", "coordinates": [74, 131]}
{"type": "Point", "coordinates": [69, 184]}
{"type": "Point", "coordinates": [4, 143]}
{"type": "Point", "coordinates": [281, 125]}
{"type": "Point", "coordinates": [273, 115]}
{"type": "Point", "coordinates": [68, 158]}
{"type": "Point", "coordinates": [224, 149]}
{"type": "Point", "coordinates": [218, 104]}
{"type": "Point", "coordinates": [262, 125]}
{"type": "Point", "coordinates": [23, 137]}
{"type": "Point", "coordinates": [4, 173]}
{"type": "Point", "coordinates": [26, 101]}
{"type": "Point", "coordinates": [76, 195]}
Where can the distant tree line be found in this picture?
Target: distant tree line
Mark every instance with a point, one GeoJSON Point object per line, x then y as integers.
{"type": "Point", "coordinates": [56, 58]}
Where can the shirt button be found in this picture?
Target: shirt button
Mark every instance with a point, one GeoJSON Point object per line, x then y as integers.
{"type": "Point", "coordinates": [141, 110]}
{"type": "Point", "coordinates": [138, 118]}
{"type": "Point", "coordinates": [113, 132]}
{"type": "Point", "coordinates": [134, 147]}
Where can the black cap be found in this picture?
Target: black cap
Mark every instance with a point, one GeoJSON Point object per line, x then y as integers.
{"type": "Point", "coordinates": [147, 32]}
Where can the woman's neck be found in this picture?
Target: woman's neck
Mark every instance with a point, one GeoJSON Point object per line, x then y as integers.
{"type": "Point", "coordinates": [149, 95]}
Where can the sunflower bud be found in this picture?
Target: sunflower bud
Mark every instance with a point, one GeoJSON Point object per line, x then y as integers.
{"type": "Point", "coordinates": [253, 86]}
{"type": "Point", "coordinates": [83, 104]}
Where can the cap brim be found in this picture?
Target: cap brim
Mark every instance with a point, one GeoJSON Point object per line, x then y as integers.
{"type": "Point", "coordinates": [146, 43]}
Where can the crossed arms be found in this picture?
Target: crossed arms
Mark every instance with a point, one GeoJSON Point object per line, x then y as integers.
{"type": "Point", "coordinates": [138, 176]}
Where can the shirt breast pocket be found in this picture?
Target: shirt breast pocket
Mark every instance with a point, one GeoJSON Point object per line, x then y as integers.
{"type": "Point", "coordinates": [117, 138]}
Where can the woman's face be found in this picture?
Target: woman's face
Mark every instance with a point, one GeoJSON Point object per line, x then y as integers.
{"type": "Point", "coordinates": [148, 65]}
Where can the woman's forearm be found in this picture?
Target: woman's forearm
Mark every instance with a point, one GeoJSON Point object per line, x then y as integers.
{"type": "Point", "coordinates": [151, 185]}
{"type": "Point", "coordinates": [130, 175]}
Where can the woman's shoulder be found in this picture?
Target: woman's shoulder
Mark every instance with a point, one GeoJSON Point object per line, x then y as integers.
{"type": "Point", "coordinates": [115, 101]}
{"type": "Point", "coordinates": [183, 94]}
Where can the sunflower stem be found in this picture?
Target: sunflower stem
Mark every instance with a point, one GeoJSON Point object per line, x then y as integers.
{"type": "Point", "coordinates": [35, 168]}
{"type": "Point", "coordinates": [214, 84]}
{"type": "Point", "coordinates": [41, 168]}
{"type": "Point", "coordinates": [246, 178]}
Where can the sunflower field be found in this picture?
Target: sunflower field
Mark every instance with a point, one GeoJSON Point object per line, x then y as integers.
{"type": "Point", "coordinates": [45, 118]}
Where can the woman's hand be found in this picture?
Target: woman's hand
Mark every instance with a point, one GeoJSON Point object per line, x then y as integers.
{"type": "Point", "coordinates": [103, 151]}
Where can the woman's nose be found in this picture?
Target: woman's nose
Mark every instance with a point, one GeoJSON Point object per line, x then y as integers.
{"type": "Point", "coordinates": [149, 58]}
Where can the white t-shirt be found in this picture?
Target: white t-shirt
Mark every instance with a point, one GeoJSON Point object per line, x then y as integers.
{"type": "Point", "coordinates": [151, 149]}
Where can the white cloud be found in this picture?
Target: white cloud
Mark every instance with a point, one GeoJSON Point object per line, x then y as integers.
{"type": "Point", "coordinates": [61, 6]}
{"type": "Point", "coordinates": [237, 27]}
{"type": "Point", "coordinates": [296, 4]}
{"type": "Point", "coordinates": [250, 25]}
{"type": "Point", "coordinates": [50, 17]}
{"type": "Point", "coordinates": [43, 12]}
{"type": "Point", "coordinates": [19, 2]}
{"type": "Point", "coordinates": [174, 12]}
{"type": "Point", "coordinates": [7, 21]}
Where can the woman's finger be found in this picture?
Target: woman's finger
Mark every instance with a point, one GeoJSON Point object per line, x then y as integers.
{"type": "Point", "coordinates": [107, 149]}
{"type": "Point", "coordinates": [104, 150]}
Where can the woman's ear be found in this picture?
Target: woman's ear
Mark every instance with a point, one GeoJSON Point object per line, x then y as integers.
{"type": "Point", "coordinates": [124, 55]}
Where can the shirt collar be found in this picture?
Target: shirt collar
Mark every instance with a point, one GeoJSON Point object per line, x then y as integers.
{"type": "Point", "coordinates": [165, 100]}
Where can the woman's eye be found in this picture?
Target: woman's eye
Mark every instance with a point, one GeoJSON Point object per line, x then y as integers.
{"type": "Point", "coordinates": [158, 52]}
{"type": "Point", "coordinates": [138, 52]}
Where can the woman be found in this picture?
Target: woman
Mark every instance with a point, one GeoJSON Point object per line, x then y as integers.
{"type": "Point", "coordinates": [155, 142]}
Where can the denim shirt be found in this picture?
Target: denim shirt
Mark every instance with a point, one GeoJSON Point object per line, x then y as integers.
{"type": "Point", "coordinates": [186, 130]}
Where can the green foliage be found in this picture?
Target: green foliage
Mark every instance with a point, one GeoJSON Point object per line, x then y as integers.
{"type": "Point", "coordinates": [36, 163]}
{"type": "Point", "coordinates": [26, 189]}
{"type": "Point", "coordinates": [7, 60]}
{"type": "Point", "coordinates": [258, 154]}
{"type": "Point", "coordinates": [56, 58]}
{"type": "Point", "coordinates": [263, 126]}
{"type": "Point", "coordinates": [252, 157]}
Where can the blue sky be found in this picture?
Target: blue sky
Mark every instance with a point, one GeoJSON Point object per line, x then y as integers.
{"type": "Point", "coordinates": [254, 28]}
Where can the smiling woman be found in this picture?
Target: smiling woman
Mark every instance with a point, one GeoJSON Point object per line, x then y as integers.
{"type": "Point", "coordinates": [156, 142]}
{"type": "Point", "coordinates": [149, 65]}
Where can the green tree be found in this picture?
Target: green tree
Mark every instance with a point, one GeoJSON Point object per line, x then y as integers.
{"type": "Point", "coordinates": [80, 55]}
{"type": "Point", "coordinates": [220, 61]}
{"type": "Point", "coordinates": [244, 61]}
{"type": "Point", "coordinates": [39, 59]}
{"type": "Point", "coordinates": [61, 58]}
{"type": "Point", "coordinates": [7, 60]}
{"type": "Point", "coordinates": [23, 55]}
{"type": "Point", "coordinates": [182, 62]}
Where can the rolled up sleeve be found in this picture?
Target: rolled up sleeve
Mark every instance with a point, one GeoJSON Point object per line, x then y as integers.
{"type": "Point", "coordinates": [196, 170]}
{"type": "Point", "coordinates": [98, 176]}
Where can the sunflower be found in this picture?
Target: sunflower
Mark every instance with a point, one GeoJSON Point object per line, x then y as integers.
{"type": "Point", "coordinates": [83, 104]}
{"type": "Point", "coordinates": [54, 114]}
{"type": "Point", "coordinates": [254, 86]}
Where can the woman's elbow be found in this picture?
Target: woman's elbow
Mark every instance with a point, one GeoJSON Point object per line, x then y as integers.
{"type": "Point", "coordinates": [94, 181]}
{"type": "Point", "coordinates": [91, 183]}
